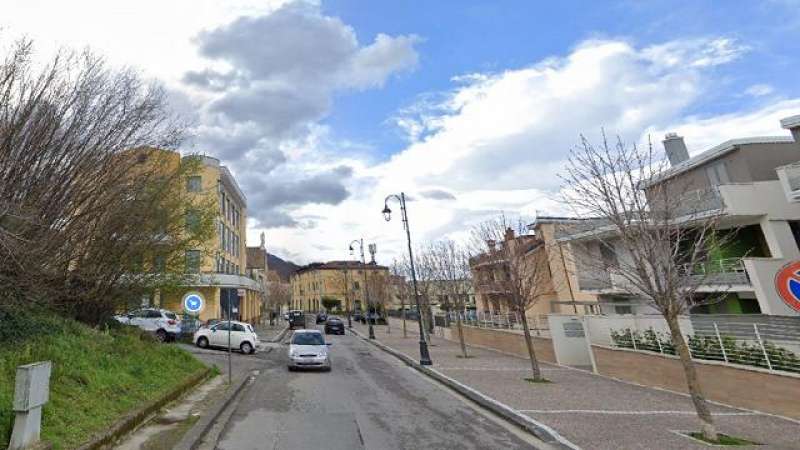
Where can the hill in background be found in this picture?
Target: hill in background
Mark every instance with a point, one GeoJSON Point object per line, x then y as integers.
{"type": "Point", "coordinates": [284, 268]}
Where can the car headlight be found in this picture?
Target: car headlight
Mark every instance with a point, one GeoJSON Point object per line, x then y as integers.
{"type": "Point", "coordinates": [292, 353]}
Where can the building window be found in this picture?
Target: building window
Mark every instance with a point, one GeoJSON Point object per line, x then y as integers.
{"type": "Point", "coordinates": [194, 183]}
{"type": "Point", "coordinates": [193, 261]}
{"type": "Point", "coordinates": [222, 203]}
{"type": "Point", "coordinates": [159, 264]}
{"type": "Point", "coordinates": [192, 221]}
{"type": "Point", "coordinates": [717, 174]}
{"type": "Point", "coordinates": [356, 285]}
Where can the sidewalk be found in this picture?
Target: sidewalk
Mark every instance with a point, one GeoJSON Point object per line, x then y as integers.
{"type": "Point", "coordinates": [269, 332]}
{"type": "Point", "coordinates": [591, 411]}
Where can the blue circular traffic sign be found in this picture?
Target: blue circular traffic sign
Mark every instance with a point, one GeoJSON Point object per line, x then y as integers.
{"type": "Point", "coordinates": [193, 302]}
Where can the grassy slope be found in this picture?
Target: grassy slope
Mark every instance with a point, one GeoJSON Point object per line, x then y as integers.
{"type": "Point", "coordinates": [97, 377]}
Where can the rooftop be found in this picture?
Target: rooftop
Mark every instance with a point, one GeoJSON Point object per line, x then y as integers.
{"type": "Point", "coordinates": [715, 152]}
{"type": "Point", "coordinates": [340, 265]}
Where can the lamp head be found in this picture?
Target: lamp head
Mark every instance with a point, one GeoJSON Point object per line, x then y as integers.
{"type": "Point", "coordinates": [387, 213]}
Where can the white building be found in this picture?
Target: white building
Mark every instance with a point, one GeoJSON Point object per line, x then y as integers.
{"type": "Point", "coordinates": [754, 184]}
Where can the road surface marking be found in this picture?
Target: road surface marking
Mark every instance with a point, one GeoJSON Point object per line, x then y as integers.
{"type": "Point", "coordinates": [628, 413]}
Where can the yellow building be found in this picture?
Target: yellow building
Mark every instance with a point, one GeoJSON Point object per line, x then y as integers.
{"type": "Point", "coordinates": [341, 281]}
{"type": "Point", "coordinates": [219, 267]}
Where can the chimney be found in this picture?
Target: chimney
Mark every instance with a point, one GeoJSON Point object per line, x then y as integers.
{"type": "Point", "coordinates": [675, 148]}
{"type": "Point", "coordinates": [792, 124]}
{"type": "Point", "coordinates": [509, 234]}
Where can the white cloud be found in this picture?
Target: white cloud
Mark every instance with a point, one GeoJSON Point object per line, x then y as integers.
{"type": "Point", "coordinates": [759, 90]}
{"type": "Point", "coordinates": [497, 141]}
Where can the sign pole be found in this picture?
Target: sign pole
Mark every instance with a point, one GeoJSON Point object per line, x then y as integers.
{"type": "Point", "coordinates": [228, 295]}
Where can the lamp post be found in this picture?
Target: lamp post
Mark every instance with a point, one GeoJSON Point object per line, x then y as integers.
{"type": "Point", "coordinates": [346, 300]}
{"type": "Point", "coordinates": [424, 355]}
{"type": "Point", "coordinates": [360, 243]}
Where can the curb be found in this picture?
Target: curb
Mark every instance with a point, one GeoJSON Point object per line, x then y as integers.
{"type": "Point", "coordinates": [279, 337]}
{"type": "Point", "coordinates": [195, 435]}
{"type": "Point", "coordinates": [140, 415]}
{"type": "Point", "coordinates": [538, 429]}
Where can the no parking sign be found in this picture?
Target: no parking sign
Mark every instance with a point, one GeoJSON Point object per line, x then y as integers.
{"type": "Point", "coordinates": [787, 283]}
{"type": "Point", "coordinates": [193, 302]}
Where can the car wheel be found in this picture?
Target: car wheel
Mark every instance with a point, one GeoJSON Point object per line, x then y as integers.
{"type": "Point", "coordinates": [161, 335]}
{"type": "Point", "coordinates": [202, 342]}
{"type": "Point", "coordinates": [291, 369]}
{"type": "Point", "coordinates": [246, 348]}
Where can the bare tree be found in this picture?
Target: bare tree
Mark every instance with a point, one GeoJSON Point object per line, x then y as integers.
{"type": "Point", "coordinates": [426, 285]}
{"type": "Point", "coordinates": [451, 268]}
{"type": "Point", "coordinates": [654, 236]}
{"type": "Point", "coordinates": [86, 223]}
{"type": "Point", "coordinates": [402, 288]}
{"type": "Point", "coordinates": [512, 264]}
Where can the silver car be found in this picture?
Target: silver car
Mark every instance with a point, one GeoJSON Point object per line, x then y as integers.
{"type": "Point", "coordinates": [308, 350]}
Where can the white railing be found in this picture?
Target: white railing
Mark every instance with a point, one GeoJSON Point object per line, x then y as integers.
{"type": "Point", "coordinates": [720, 271]}
{"type": "Point", "coordinates": [749, 346]}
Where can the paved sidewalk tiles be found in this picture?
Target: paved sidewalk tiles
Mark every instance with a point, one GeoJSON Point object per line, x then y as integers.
{"type": "Point", "coordinates": [592, 411]}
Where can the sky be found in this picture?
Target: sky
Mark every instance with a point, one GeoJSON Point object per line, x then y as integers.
{"type": "Point", "coordinates": [323, 108]}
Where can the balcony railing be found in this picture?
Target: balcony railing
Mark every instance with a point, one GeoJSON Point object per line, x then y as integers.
{"type": "Point", "coordinates": [591, 280]}
{"type": "Point", "coordinates": [699, 201]}
{"type": "Point", "coordinates": [789, 176]}
{"type": "Point", "coordinates": [720, 271]}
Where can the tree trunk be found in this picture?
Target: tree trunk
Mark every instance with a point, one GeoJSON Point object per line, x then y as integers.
{"type": "Point", "coordinates": [693, 383]}
{"type": "Point", "coordinates": [537, 373]}
{"type": "Point", "coordinates": [461, 335]}
{"type": "Point", "coordinates": [405, 333]}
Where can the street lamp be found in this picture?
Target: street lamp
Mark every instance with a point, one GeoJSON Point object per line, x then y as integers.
{"type": "Point", "coordinates": [360, 243]}
{"type": "Point", "coordinates": [346, 300]}
{"type": "Point", "coordinates": [424, 355]}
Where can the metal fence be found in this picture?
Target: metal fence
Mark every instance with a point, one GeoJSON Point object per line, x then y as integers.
{"type": "Point", "coordinates": [537, 323]}
{"type": "Point", "coordinates": [773, 345]}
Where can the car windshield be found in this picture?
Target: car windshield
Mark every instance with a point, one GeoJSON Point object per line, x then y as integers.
{"type": "Point", "coordinates": [308, 339]}
{"type": "Point", "coordinates": [171, 315]}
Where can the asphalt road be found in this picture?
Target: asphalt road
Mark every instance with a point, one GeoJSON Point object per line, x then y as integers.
{"type": "Point", "coordinates": [369, 400]}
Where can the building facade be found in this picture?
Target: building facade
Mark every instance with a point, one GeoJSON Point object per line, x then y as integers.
{"type": "Point", "coordinates": [341, 283]}
{"type": "Point", "coordinates": [217, 270]}
{"type": "Point", "coordinates": [751, 184]}
{"type": "Point", "coordinates": [554, 268]}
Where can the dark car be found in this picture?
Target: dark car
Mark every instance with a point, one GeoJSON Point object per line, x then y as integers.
{"type": "Point", "coordinates": [334, 325]}
{"type": "Point", "coordinates": [321, 318]}
{"type": "Point", "coordinates": [357, 316]}
{"type": "Point", "coordinates": [296, 319]}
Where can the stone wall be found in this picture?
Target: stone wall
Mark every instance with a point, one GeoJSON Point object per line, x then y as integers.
{"type": "Point", "coordinates": [746, 388]}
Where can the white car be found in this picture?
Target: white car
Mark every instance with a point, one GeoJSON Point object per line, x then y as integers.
{"type": "Point", "coordinates": [307, 349]}
{"type": "Point", "coordinates": [243, 337]}
{"type": "Point", "coordinates": [163, 323]}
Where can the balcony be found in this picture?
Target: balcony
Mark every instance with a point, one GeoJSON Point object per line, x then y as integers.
{"type": "Point", "coordinates": [789, 175]}
{"type": "Point", "coordinates": [493, 287]}
{"type": "Point", "coordinates": [592, 280]}
{"type": "Point", "coordinates": [699, 201]}
{"type": "Point", "coordinates": [727, 271]}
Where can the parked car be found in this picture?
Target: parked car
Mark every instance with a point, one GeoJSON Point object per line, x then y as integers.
{"type": "Point", "coordinates": [211, 322]}
{"type": "Point", "coordinates": [243, 337]}
{"type": "Point", "coordinates": [334, 325]}
{"type": "Point", "coordinates": [357, 316]}
{"type": "Point", "coordinates": [308, 350]}
{"type": "Point", "coordinates": [296, 319]}
{"type": "Point", "coordinates": [322, 317]}
{"type": "Point", "coordinates": [163, 323]}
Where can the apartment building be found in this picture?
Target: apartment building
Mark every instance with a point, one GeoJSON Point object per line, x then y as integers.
{"type": "Point", "coordinates": [257, 268]}
{"type": "Point", "coordinates": [753, 185]}
{"type": "Point", "coordinates": [553, 263]}
{"type": "Point", "coordinates": [342, 282]}
{"type": "Point", "coordinates": [218, 268]}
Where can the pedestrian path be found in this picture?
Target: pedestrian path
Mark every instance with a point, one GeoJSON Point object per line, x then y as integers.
{"type": "Point", "coordinates": [591, 411]}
